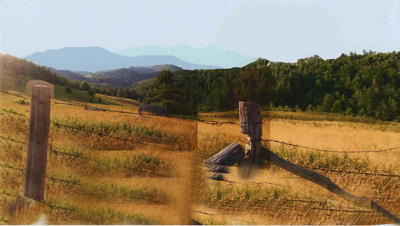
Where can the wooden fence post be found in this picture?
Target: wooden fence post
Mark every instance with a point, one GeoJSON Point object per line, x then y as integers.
{"type": "Point", "coordinates": [251, 124]}
{"type": "Point", "coordinates": [37, 143]}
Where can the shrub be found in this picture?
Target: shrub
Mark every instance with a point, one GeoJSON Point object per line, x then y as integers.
{"type": "Point", "coordinates": [91, 92]}
{"type": "Point", "coordinates": [21, 101]}
{"type": "Point", "coordinates": [68, 89]}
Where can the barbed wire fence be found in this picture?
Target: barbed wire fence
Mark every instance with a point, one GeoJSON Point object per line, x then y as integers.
{"type": "Point", "coordinates": [331, 151]}
{"type": "Point", "coordinates": [215, 123]}
{"type": "Point", "coordinates": [265, 140]}
{"type": "Point", "coordinates": [55, 151]}
{"type": "Point", "coordinates": [11, 111]}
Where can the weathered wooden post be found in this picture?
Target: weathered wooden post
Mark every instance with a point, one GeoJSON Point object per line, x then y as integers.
{"type": "Point", "coordinates": [251, 124]}
{"type": "Point", "coordinates": [37, 142]}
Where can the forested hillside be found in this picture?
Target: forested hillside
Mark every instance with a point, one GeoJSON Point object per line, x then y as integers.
{"type": "Point", "coordinates": [358, 85]}
{"type": "Point", "coordinates": [15, 72]}
{"type": "Point", "coordinates": [208, 90]}
{"type": "Point", "coordinates": [362, 85]}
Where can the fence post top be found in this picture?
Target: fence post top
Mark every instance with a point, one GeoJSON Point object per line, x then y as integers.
{"type": "Point", "coordinates": [247, 102]}
{"type": "Point", "coordinates": [39, 85]}
{"type": "Point", "coordinates": [42, 88]}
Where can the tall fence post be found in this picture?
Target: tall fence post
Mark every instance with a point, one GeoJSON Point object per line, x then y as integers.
{"type": "Point", "coordinates": [37, 143]}
{"type": "Point", "coordinates": [251, 124]}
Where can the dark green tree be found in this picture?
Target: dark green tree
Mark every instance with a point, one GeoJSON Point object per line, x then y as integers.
{"type": "Point", "coordinates": [85, 86]}
{"type": "Point", "coordinates": [164, 92]}
{"type": "Point", "coordinates": [91, 92]}
{"type": "Point", "coordinates": [68, 89]}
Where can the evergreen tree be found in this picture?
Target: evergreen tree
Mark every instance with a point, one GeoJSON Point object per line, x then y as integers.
{"type": "Point", "coordinates": [85, 86]}
{"type": "Point", "coordinates": [164, 92]}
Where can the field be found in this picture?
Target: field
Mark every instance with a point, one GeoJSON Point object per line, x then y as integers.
{"type": "Point", "coordinates": [107, 167]}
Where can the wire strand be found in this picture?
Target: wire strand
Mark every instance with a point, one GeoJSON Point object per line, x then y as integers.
{"type": "Point", "coordinates": [322, 150]}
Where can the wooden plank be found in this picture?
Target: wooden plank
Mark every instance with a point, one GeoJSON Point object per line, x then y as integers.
{"type": "Point", "coordinates": [216, 176]}
{"type": "Point", "coordinates": [326, 183]}
{"type": "Point", "coordinates": [218, 169]}
{"type": "Point", "coordinates": [227, 156]}
{"type": "Point", "coordinates": [37, 143]}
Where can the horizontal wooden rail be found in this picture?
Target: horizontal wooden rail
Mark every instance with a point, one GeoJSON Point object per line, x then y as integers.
{"type": "Point", "coordinates": [326, 183]}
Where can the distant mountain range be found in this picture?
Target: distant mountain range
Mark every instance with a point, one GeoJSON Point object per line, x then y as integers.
{"type": "Point", "coordinates": [210, 55]}
{"type": "Point", "coordinates": [123, 77]}
{"type": "Point", "coordinates": [102, 67]}
{"type": "Point", "coordinates": [95, 59]}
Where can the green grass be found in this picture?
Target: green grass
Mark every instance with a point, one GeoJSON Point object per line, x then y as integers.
{"type": "Point", "coordinates": [109, 216]}
{"type": "Point", "coordinates": [211, 145]}
{"type": "Point", "coordinates": [81, 214]}
{"type": "Point", "coordinates": [122, 130]}
{"type": "Point", "coordinates": [8, 83]}
{"type": "Point", "coordinates": [112, 191]}
{"type": "Point", "coordinates": [324, 160]}
{"type": "Point", "coordinates": [82, 160]}
{"type": "Point", "coordinates": [22, 101]}
{"type": "Point", "coordinates": [81, 96]}
{"type": "Point", "coordinates": [137, 164]}
{"type": "Point", "coordinates": [276, 113]}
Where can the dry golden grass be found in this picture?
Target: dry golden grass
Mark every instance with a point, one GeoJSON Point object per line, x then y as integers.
{"type": "Point", "coordinates": [272, 197]}
{"type": "Point", "coordinates": [176, 188]}
{"type": "Point", "coordinates": [336, 136]}
{"type": "Point", "coordinates": [327, 135]}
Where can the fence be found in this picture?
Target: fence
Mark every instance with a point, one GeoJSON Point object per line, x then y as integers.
{"type": "Point", "coordinates": [54, 150]}
{"type": "Point", "coordinates": [250, 123]}
{"type": "Point", "coordinates": [254, 154]}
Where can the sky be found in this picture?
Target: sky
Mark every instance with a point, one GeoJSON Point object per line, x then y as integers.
{"type": "Point", "coordinates": [279, 30]}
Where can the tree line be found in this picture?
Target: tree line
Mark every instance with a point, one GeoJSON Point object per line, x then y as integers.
{"type": "Point", "coordinates": [365, 84]}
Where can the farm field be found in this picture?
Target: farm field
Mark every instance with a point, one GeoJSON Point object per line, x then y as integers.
{"type": "Point", "coordinates": [107, 167]}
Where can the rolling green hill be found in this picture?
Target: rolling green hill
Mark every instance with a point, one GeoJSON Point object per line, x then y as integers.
{"type": "Point", "coordinates": [15, 74]}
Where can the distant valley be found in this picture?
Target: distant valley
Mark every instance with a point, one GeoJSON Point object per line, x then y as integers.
{"type": "Point", "coordinates": [122, 77]}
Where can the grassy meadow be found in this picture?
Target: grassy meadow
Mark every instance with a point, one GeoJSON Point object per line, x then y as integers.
{"type": "Point", "coordinates": [153, 174]}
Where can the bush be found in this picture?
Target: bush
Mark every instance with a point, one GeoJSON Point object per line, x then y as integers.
{"type": "Point", "coordinates": [91, 92]}
{"type": "Point", "coordinates": [298, 109]}
{"type": "Point", "coordinates": [85, 86]}
{"type": "Point", "coordinates": [310, 108]}
{"type": "Point", "coordinates": [349, 111]}
{"type": "Point", "coordinates": [287, 108]}
{"type": "Point", "coordinates": [68, 89]}
{"type": "Point", "coordinates": [21, 101]}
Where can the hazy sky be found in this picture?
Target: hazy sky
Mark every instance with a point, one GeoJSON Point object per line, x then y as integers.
{"type": "Point", "coordinates": [280, 30]}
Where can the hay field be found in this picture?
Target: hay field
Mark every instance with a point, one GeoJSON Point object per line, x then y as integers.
{"type": "Point", "coordinates": [154, 174]}
{"type": "Point", "coordinates": [144, 177]}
